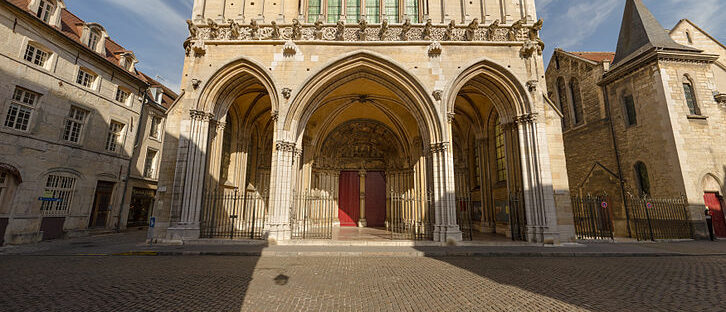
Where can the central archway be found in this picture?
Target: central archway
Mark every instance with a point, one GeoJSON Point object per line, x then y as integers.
{"type": "Point", "coordinates": [364, 119]}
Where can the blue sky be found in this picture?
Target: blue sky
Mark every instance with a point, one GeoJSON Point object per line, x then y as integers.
{"type": "Point", "coordinates": [155, 29]}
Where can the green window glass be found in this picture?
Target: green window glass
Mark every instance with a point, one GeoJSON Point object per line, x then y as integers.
{"type": "Point", "coordinates": [373, 11]}
{"type": "Point", "coordinates": [352, 11]}
{"type": "Point", "coordinates": [334, 10]}
{"type": "Point", "coordinates": [691, 99]}
{"type": "Point", "coordinates": [412, 10]}
{"type": "Point", "coordinates": [313, 10]}
{"type": "Point", "coordinates": [631, 117]}
{"type": "Point", "coordinates": [391, 10]}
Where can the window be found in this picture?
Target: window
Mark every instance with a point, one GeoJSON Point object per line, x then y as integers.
{"type": "Point", "coordinates": [150, 163]}
{"type": "Point", "coordinates": [20, 109]}
{"type": "Point", "coordinates": [352, 11]}
{"type": "Point", "coordinates": [334, 10]}
{"type": "Point", "coordinates": [45, 10]}
{"type": "Point", "coordinates": [562, 96]}
{"type": "Point", "coordinates": [85, 78]}
{"type": "Point", "coordinates": [391, 10]}
{"type": "Point", "coordinates": [57, 195]}
{"type": "Point", "coordinates": [122, 95]}
{"type": "Point", "coordinates": [641, 174]}
{"type": "Point", "coordinates": [690, 93]}
{"type": "Point", "coordinates": [226, 153]}
{"type": "Point", "coordinates": [500, 153]}
{"type": "Point", "coordinates": [412, 10]}
{"type": "Point", "coordinates": [630, 116]}
{"type": "Point", "coordinates": [313, 10]}
{"type": "Point", "coordinates": [688, 37]}
{"type": "Point", "coordinates": [154, 130]}
{"type": "Point", "coordinates": [3, 186]}
{"type": "Point", "coordinates": [74, 124]}
{"type": "Point", "coordinates": [373, 9]}
{"type": "Point", "coordinates": [114, 138]}
{"type": "Point", "coordinates": [576, 101]}
{"type": "Point", "coordinates": [35, 55]}
{"type": "Point", "coordinates": [94, 36]}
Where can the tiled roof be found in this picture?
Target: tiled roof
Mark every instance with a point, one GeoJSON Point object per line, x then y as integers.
{"type": "Point", "coordinates": [72, 27]}
{"type": "Point", "coordinates": [598, 57]}
{"type": "Point", "coordinates": [169, 96]}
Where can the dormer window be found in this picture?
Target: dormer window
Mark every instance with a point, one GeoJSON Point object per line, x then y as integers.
{"type": "Point", "coordinates": [46, 8]}
{"type": "Point", "coordinates": [93, 38]}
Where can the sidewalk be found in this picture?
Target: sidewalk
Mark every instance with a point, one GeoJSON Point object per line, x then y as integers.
{"type": "Point", "coordinates": [132, 244]}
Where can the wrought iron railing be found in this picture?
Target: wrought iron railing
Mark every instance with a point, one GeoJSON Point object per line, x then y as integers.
{"type": "Point", "coordinates": [592, 216]}
{"type": "Point", "coordinates": [659, 218]}
{"type": "Point", "coordinates": [411, 217]}
{"type": "Point", "coordinates": [233, 214]}
{"type": "Point", "coordinates": [312, 215]}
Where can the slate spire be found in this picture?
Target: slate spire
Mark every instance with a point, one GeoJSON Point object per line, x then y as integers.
{"type": "Point", "coordinates": [641, 32]}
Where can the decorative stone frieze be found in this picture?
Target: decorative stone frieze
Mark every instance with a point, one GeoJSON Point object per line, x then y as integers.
{"type": "Point", "coordinates": [434, 49]}
{"type": "Point", "coordinates": [285, 146]}
{"type": "Point", "coordinates": [384, 31]}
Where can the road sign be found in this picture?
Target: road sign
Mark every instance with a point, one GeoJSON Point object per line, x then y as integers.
{"type": "Point", "coordinates": [50, 199]}
{"type": "Point", "coordinates": [152, 222]}
{"type": "Point", "coordinates": [604, 204]}
{"type": "Point", "coordinates": [649, 205]}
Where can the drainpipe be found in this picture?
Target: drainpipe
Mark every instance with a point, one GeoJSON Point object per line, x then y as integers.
{"type": "Point", "coordinates": [131, 160]}
{"type": "Point", "coordinates": [617, 158]}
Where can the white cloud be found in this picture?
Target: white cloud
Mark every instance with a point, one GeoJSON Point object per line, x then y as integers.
{"type": "Point", "coordinates": [581, 20]}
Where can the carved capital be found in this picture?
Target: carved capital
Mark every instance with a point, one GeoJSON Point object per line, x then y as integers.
{"type": "Point", "coordinates": [199, 115]}
{"type": "Point", "coordinates": [283, 146]}
{"type": "Point", "coordinates": [438, 147]}
{"type": "Point", "coordinates": [275, 116]}
{"type": "Point", "coordinates": [450, 117]}
{"type": "Point", "coordinates": [526, 118]}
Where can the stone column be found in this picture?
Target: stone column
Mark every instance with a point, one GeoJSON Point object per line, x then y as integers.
{"type": "Point", "coordinates": [362, 220]}
{"type": "Point", "coordinates": [195, 173]}
{"type": "Point", "coordinates": [537, 181]}
{"type": "Point", "coordinates": [281, 191]}
{"type": "Point", "coordinates": [216, 139]}
{"type": "Point", "coordinates": [445, 227]}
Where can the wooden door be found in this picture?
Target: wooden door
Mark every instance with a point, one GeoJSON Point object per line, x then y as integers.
{"type": "Point", "coordinates": [101, 204]}
{"type": "Point", "coordinates": [376, 199]}
{"type": "Point", "coordinates": [349, 198]}
{"type": "Point", "coordinates": [714, 203]}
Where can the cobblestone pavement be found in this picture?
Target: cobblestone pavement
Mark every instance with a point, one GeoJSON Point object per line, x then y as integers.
{"type": "Point", "coordinates": [102, 283]}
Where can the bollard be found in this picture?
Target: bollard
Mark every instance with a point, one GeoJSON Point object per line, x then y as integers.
{"type": "Point", "coordinates": [709, 223]}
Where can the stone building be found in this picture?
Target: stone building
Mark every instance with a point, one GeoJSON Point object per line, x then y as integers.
{"type": "Point", "coordinates": [647, 119]}
{"type": "Point", "coordinates": [72, 107]}
{"type": "Point", "coordinates": [397, 115]}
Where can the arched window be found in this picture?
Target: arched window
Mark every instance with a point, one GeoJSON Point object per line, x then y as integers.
{"type": "Point", "coordinates": [46, 8]}
{"type": "Point", "coordinates": [226, 151]}
{"type": "Point", "coordinates": [690, 95]}
{"type": "Point", "coordinates": [500, 152]}
{"type": "Point", "coordinates": [562, 96]}
{"type": "Point", "coordinates": [688, 36]}
{"type": "Point", "coordinates": [631, 117]}
{"type": "Point", "coordinates": [577, 113]}
{"type": "Point", "coordinates": [641, 175]}
{"type": "Point", "coordinates": [375, 10]}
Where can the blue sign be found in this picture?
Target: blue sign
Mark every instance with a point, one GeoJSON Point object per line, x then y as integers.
{"type": "Point", "coordinates": [152, 222]}
{"type": "Point", "coordinates": [50, 199]}
{"type": "Point", "coordinates": [604, 204]}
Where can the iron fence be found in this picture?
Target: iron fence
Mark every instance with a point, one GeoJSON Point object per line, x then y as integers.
{"type": "Point", "coordinates": [592, 216]}
{"type": "Point", "coordinates": [517, 216]}
{"type": "Point", "coordinates": [312, 215]}
{"type": "Point", "coordinates": [464, 217]}
{"type": "Point", "coordinates": [660, 218]}
{"type": "Point", "coordinates": [233, 214]}
{"type": "Point", "coordinates": [411, 217]}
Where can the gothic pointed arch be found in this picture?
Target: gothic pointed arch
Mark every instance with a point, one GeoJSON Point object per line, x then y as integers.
{"type": "Point", "coordinates": [364, 65]}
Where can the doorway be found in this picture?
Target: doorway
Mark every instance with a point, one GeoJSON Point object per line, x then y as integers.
{"type": "Point", "coordinates": [714, 203]}
{"type": "Point", "coordinates": [101, 204]}
{"type": "Point", "coordinates": [349, 206]}
{"type": "Point", "coordinates": [375, 199]}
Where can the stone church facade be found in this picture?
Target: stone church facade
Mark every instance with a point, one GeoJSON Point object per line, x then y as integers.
{"type": "Point", "coordinates": [433, 100]}
{"type": "Point", "coordinates": [648, 119]}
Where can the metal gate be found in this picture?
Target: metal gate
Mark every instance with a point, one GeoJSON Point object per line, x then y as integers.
{"type": "Point", "coordinates": [234, 215]}
{"type": "Point", "coordinates": [660, 218]}
{"type": "Point", "coordinates": [411, 217]}
{"type": "Point", "coordinates": [464, 216]}
{"type": "Point", "coordinates": [592, 217]}
{"type": "Point", "coordinates": [517, 216]}
{"type": "Point", "coordinates": [312, 215]}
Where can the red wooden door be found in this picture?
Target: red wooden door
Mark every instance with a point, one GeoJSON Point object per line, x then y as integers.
{"type": "Point", "coordinates": [376, 199]}
{"type": "Point", "coordinates": [349, 199]}
{"type": "Point", "coordinates": [713, 202]}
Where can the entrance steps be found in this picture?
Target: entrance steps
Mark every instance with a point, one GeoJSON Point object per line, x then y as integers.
{"type": "Point", "coordinates": [350, 243]}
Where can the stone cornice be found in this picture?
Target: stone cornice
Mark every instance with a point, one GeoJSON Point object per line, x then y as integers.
{"type": "Point", "coordinates": [629, 67]}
